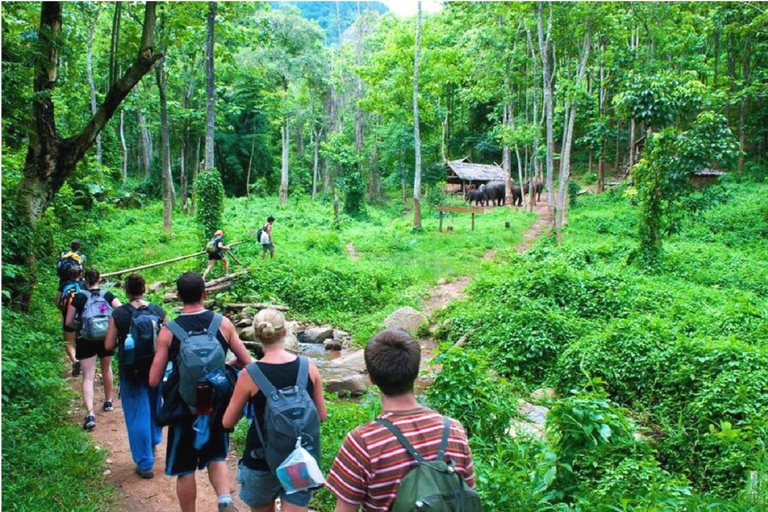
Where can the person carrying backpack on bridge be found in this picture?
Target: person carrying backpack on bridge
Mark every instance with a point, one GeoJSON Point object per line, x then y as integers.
{"type": "Point", "coordinates": [89, 314]}
{"type": "Point", "coordinates": [71, 286]}
{"type": "Point", "coordinates": [133, 328]}
{"type": "Point", "coordinates": [287, 376]}
{"type": "Point", "coordinates": [196, 342]}
{"type": "Point", "coordinates": [215, 249]}
{"type": "Point", "coordinates": [377, 467]}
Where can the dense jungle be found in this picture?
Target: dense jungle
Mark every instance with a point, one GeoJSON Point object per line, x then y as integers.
{"type": "Point", "coordinates": [605, 345]}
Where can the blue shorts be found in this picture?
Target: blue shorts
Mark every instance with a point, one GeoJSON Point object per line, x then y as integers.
{"type": "Point", "coordinates": [259, 489]}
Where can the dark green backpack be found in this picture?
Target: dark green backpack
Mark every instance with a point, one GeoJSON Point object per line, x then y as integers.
{"type": "Point", "coordinates": [432, 485]}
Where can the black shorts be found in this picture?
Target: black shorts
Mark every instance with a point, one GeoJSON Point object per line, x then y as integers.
{"type": "Point", "coordinates": [86, 349]}
{"type": "Point", "coordinates": [215, 256]}
{"type": "Point", "coordinates": [181, 458]}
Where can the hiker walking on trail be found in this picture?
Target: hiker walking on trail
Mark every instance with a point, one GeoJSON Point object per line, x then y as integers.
{"type": "Point", "coordinates": [206, 338]}
{"type": "Point", "coordinates": [89, 315]}
{"type": "Point", "coordinates": [215, 249]}
{"type": "Point", "coordinates": [277, 370]}
{"type": "Point", "coordinates": [133, 328]}
{"type": "Point", "coordinates": [265, 238]}
{"type": "Point", "coordinates": [71, 258]}
{"type": "Point", "coordinates": [372, 464]}
{"type": "Point", "coordinates": [71, 286]}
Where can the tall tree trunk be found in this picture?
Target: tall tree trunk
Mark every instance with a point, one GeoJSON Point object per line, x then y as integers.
{"type": "Point", "coordinates": [209, 88]}
{"type": "Point", "coordinates": [146, 144]}
{"type": "Point", "coordinates": [250, 165]}
{"type": "Point", "coordinates": [565, 157]}
{"type": "Point", "coordinates": [632, 156]}
{"type": "Point", "coordinates": [195, 170]}
{"type": "Point", "coordinates": [536, 121]}
{"type": "Point", "coordinates": [91, 85]}
{"type": "Point", "coordinates": [285, 135]}
{"type": "Point", "coordinates": [359, 127]}
{"type": "Point", "coordinates": [187, 161]}
{"type": "Point", "coordinates": [113, 71]}
{"type": "Point", "coordinates": [183, 169]}
{"type": "Point", "coordinates": [544, 48]}
{"type": "Point", "coordinates": [317, 133]}
{"type": "Point", "coordinates": [165, 150]}
{"type": "Point", "coordinates": [51, 159]}
{"type": "Point", "coordinates": [506, 158]}
{"type": "Point", "coordinates": [124, 147]}
{"type": "Point", "coordinates": [603, 94]}
{"type": "Point", "coordinates": [416, 134]}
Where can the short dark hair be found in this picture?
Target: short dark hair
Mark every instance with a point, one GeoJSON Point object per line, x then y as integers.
{"type": "Point", "coordinates": [92, 277]}
{"type": "Point", "coordinates": [270, 219]}
{"type": "Point", "coordinates": [392, 358]}
{"type": "Point", "coordinates": [75, 245]}
{"type": "Point", "coordinates": [190, 286]}
{"type": "Point", "coordinates": [73, 272]}
{"type": "Point", "coordinates": [135, 286]}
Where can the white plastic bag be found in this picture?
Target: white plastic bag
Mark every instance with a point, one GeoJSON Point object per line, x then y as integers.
{"type": "Point", "coordinates": [299, 471]}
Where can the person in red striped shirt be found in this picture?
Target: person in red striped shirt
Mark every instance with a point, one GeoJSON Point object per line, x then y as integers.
{"type": "Point", "coordinates": [371, 462]}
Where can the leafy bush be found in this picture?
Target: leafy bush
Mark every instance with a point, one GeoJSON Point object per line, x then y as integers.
{"type": "Point", "coordinates": [209, 194]}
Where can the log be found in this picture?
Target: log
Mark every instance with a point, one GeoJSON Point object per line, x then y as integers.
{"type": "Point", "coordinates": [212, 286]}
{"type": "Point", "coordinates": [157, 264]}
{"type": "Point", "coordinates": [256, 305]}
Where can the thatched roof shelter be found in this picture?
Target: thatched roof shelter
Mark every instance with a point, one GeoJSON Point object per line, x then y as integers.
{"type": "Point", "coordinates": [463, 172]}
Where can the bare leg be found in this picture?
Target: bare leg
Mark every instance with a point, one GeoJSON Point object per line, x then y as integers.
{"type": "Point", "coordinates": [106, 373]}
{"type": "Point", "coordinates": [218, 474]}
{"type": "Point", "coordinates": [186, 491]}
{"type": "Point", "coordinates": [208, 268]}
{"type": "Point", "coordinates": [226, 265]}
{"type": "Point", "coordinates": [89, 373]}
{"type": "Point", "coordinates": [69, 337]}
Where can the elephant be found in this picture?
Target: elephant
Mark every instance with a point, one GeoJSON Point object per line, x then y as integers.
{"type": "Point", "coordinates": [475, 195]}
{"type": "Point", "coordinates": [495, 192]}
{"type": "Point", "coordinates": [517, 196]}
{"type": "Point", "coordinates": [538, 186]}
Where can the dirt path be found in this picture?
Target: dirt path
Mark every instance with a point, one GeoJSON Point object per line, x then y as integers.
{"type": "Point", "coordinates": [446, 292]}
{"type": "Point", "coordinates": [159, 494]}
{"type": "Point", "coordinates": [135, 494]}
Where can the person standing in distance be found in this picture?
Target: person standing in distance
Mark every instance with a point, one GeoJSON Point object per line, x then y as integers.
{"type": "Point", "coordinates": [182, 459]}
{"type": "Point", "coordinates": [217, 253]}
{"type": "Point", "coordinates": [371, 462]}
{"type": "Point", "coordinates": [87, 350]}
{"type": "Point", "coordinates": [259, 485]}
{"type": "Point", "coordinates": [141, 403]}
{"type": "Point", "coordinates": [267, 245]}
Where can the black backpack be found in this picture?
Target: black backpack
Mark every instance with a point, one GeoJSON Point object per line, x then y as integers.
{"type": "Point", "coordinates": [66, 261]}
{"type": "Point", "coordinates": [432, 485]}
{"type": "Point", "coordinates": [144, 326]}
{"type": "Point", "coordinates": [259, 233]}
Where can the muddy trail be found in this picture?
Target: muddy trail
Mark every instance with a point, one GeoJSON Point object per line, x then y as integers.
{"type": "Point", "coordinates": [134, 494]}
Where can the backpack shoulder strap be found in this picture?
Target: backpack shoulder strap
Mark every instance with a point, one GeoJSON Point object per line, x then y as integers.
{"type": "Point", "coordinates": [403, 441]}
{"type": "Point", "coordinates": [177, 331]}
{"type": "Point", "coordinates": [409, 447]}
{"type": "Point", "coordinates": [302, 377]}
{"type": "Point", "coordinates": [213, 328]}
{"type": "Point", "coordinates": [261, 380]}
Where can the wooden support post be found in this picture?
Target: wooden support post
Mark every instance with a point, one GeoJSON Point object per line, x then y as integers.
{"type": "Point", "coordinates": [441, 222]}
{"type": "Point", "coordinates": [473, 221]}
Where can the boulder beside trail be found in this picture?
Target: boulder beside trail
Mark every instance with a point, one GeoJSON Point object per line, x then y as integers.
{"type": "Point", "coordinates": [316, 334]}
{"type": "Point", "coordinates": [406, 318]}
{"type": "Point", "coordinates": [346, 384]}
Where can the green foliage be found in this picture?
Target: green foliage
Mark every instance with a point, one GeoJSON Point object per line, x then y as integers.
{"type": "Point", "coordinates": [209, 193]}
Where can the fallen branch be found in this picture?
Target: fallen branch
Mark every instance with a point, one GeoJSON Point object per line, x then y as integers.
{"type": "Point", "coordinates": [256, 305]}
{"type": "Point", "coordinates": [157, 264]}
{"type": "Point", "coordinates": [462, 340]}
{"type": "Point", "coordinates": [212, 286]}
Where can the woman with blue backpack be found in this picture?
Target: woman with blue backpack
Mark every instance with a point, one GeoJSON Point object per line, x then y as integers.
{"type": "Point", "coordinates": [278, 374]}
{"type": "Point", "coordinates": [89, 315]}
{"type": "Point", "coordinates": [133, 328]}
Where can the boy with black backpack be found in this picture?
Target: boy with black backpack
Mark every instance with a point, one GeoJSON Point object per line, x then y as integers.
{"type": "Point", "coordinates": [71, 286]}
{"type": "Point", "coordinates": [197, 342]}
{"type": "Point", "coordinates": [133, 329]}
{"type": "Point", "coordinates": [286, 393]}
{"type": "Point", "coordinates": [378, 468]}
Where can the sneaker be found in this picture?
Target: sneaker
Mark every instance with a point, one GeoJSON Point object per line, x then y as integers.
{"type": "Point", "coordinates": [76, 368]}
{"type": "Point", "coordinates": [108, 407]}
{"type": "Point", "coordinates": [146, 474]}
{"type": "Point", "coordinates": [89, 423]}
{"type": "Point", "coordinates": [227, 507]}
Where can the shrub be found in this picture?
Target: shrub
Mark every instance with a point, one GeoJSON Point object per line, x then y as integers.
{"type": "Point", "coordinates": [209, 193]}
